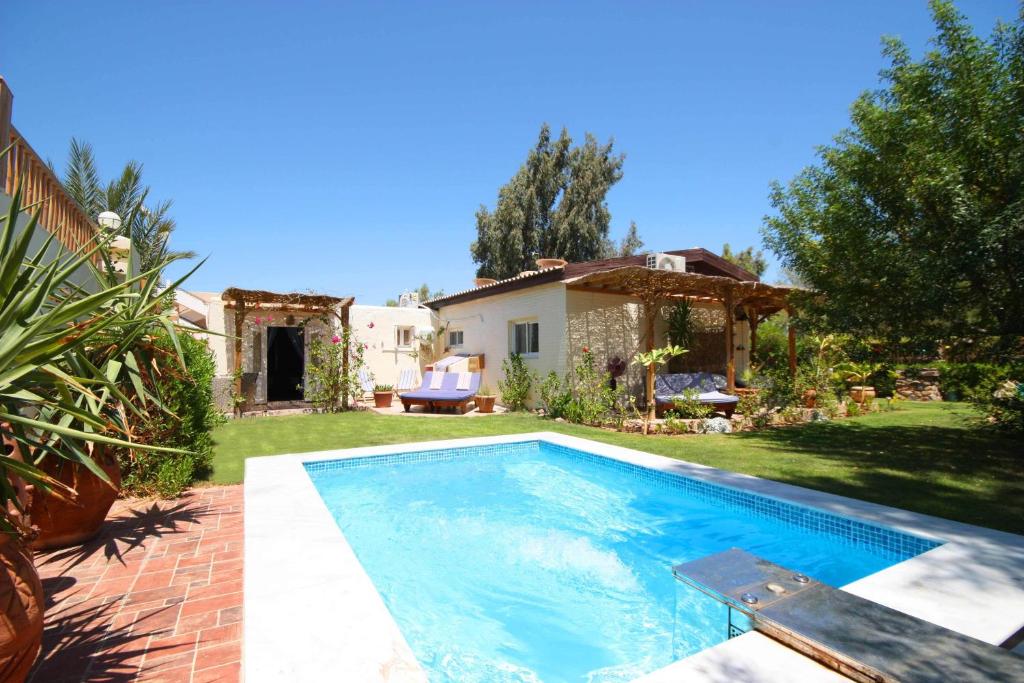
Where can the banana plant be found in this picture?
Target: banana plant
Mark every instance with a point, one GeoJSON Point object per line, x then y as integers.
{"type": "Point", "coordinates": [54, 398]}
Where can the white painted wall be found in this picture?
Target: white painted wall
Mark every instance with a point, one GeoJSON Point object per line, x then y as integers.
{"type": "Point", "coordinates": [607, 324]}
{"type": "Point", "coordinates": [375, 326]}
{"type": "Point", "coordinates": [485, 326]}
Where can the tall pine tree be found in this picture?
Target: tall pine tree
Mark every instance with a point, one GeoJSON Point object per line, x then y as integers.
{"type": "Point", "coordinates": [553, 207]}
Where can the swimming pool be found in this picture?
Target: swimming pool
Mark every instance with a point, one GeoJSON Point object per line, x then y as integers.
{"type": "Point", "coordinates": [533, 561]}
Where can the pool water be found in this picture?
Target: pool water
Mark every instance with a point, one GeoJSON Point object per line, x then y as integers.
{"type": "Point", "coordinates": [532, 562]}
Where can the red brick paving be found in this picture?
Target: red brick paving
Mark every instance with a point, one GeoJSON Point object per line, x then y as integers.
{"type": "Point", "coordinates": [156, 597]}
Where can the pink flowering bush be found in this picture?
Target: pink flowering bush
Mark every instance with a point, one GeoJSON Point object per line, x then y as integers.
{"type": "Point", "coordinates": [331, 387]}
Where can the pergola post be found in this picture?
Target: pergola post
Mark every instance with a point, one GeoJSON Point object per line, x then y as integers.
{"type": "Point", "coordinates": [345, 358]}
{"type": "Point", "coordinates": [649, 313]}
{"type": "Point", "coordinates": [730, 346]}
{"type": "Point", "coordinates": [239, 320]}
{"type": "Point", "coordinates": [752, 320]}
{"type": "Point", "coordinates": [792, 342]}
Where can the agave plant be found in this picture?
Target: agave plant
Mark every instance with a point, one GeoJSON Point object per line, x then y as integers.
{"type": "Point", "coordinates": [55, 398]}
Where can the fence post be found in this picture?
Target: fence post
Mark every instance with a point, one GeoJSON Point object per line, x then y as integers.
{"type": "Point", "coordinates": [6, 105]}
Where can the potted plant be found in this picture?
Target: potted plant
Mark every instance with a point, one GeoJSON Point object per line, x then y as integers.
{"type": "Point", "coordinates": [859, 374]}
{"type": "Point", "coordinates": [57, 404]}
{"type": "Point", "coordinates": [485, 399]}
{"type": "Point", "coordinates": [382, 395]}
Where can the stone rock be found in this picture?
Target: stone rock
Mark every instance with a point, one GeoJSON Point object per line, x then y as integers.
{"type": "Point", "coordinates": [717, 425]}
{"type": "Point", "coordinates": [923, 385]}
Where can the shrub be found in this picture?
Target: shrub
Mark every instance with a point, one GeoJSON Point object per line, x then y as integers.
{"type": "Point", "coordinates": [188, 395]}
{"type": "Point", "coordinates": [382, 388]}
{"type": "Point", "coordinates": [688, 407]}
{"type": "Point", "coordinates": [1006, 405]}
{"type": "Point", "coordinates": [973, 381]}
{"type": "Point", "coordinates": [852, 409]}
{"type": "Point", "coordinates": [593, 399]}
{"type": "Point", "coordinates": [553, 397]}
{"type": "Point", "coordinates": [777, 388]}
{"type": "Point", "coordinates": [328, 381]}
{"type": "Point", "coordinates": [515, 389]}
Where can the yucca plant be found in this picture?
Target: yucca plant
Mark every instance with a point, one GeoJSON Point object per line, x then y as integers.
{"type": "Point", "coordinates": [55, 398]}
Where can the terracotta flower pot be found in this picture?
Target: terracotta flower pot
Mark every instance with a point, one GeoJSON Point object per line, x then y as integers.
{"type": "Point", "coordinates": [862, 394]}
{"type": "Point", "coordinates": [21, 591]}
{"type": "Point", "coordinates": [21, 599]}
{"type": "Point", "coordinates": [484, 281]}
{"type": "Point", "coordinates": [485, 404]}
{"type": "Point", "coordinates": [382, 399]}
{"type": "Point", "coordinates": [544, 263]}
{"type": "Point", "coordinates": [63, 523]}
{"type": "Point", "coordinates": [810, 397]}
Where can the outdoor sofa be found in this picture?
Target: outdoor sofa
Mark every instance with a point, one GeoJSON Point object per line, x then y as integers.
{"type": "Point", "coordinates": [668, 386]}
{"type": "Point", "coordinates": [447, 396]}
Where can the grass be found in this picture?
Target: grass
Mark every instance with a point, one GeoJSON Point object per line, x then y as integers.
{"type": "Point", "coordinates": [933, 458]}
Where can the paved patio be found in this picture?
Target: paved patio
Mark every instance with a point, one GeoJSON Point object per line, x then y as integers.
{"type": "Point", "coordinates": [156, 597]}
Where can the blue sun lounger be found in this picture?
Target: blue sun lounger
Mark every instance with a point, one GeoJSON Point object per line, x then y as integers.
{"type": "Point", "coordinates": [448, 396]}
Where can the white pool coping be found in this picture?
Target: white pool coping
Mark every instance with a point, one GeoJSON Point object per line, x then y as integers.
{"type": "Point", "coordinates": [311, 611]}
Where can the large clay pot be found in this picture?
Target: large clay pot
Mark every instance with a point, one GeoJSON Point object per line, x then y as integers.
{"type": "Point", "coordinates": [382, 399]}
{"type": "Point", "coordinates": [485, 404]}
{"type": "Point", "coordinates": [810, 397]}
{"type": "Point", "coordinates": [21, 591]}
{"type": "Point", "coordinates": [62, 523]}
{"type": "Point", "coordinates": [21, 610]}
{"type": "Point", "coordinates": [862, 394]}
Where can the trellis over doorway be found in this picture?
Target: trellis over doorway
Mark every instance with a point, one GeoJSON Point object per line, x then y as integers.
{"type": "Point", "coordinates": [244, 301]}
{"type": "Point", "coordinates": [653, 288]}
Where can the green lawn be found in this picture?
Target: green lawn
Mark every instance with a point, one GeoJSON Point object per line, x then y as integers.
{"type": "Point", "coordinates": [927, 457]}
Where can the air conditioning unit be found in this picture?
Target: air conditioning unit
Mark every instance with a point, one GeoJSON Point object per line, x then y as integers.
{"type": "Point", "coordinates": [663, 261]}
{"type": "Point", "coordinates": [409, 300]}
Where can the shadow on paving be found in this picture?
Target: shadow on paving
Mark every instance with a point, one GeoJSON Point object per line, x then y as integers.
{"type": "Point", "coordinates": [886, 464]}
{"type": "Point", "coordinates": [79, 643]}
{"type": "Point", "coordinates": [128, 531]}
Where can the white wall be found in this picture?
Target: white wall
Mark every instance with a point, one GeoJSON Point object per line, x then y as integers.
{"type": "Point", "coordinates": [375, 327]}
{"type": "Point", "coordinates": [485, 326]}
{"type": "Point", "coordinates": [607, 324]}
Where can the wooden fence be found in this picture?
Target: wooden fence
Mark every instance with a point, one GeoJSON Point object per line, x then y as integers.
{"type": "Point", "coordinates": [60, 214]}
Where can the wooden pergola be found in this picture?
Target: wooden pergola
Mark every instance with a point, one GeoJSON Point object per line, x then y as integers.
{"type": "Point", "coordinates": [653, 288]}
{"type": "Point", "coordinates": [244, 300]}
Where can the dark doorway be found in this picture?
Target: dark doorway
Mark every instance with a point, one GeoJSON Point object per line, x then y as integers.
{"type": "Point", "coordinates": [285, 363]}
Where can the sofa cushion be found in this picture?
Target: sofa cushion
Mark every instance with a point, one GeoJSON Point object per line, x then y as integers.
{"type": "Point", "coordinates": [674, 384]}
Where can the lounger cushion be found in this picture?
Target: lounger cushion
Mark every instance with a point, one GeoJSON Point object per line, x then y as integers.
{"type": "Point", "coordinates": [708, 397]}
{"type": "Point", "coordinates": [707, 384]}
{"type": "Point", "coordinates": [448, 390]}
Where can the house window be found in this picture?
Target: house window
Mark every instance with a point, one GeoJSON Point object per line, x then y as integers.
{"type": "Point", "coordinates": [455, 337]}
{"type": "Point", "coordinates": [404, 334]}
{"type": "Point", "coordinates": [525, 338]}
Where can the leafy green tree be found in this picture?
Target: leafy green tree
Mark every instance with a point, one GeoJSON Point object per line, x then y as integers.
{"type": "Point", "coordinates": [912, 224]}
{"type": "Point", "coordinates": [148, 225]}
{"type": "Point", "coordinates": [554, 206]}
{"type": "Point", "coordinates": [748, 259]}
{"type": "Point", "coordinates": [630, 245]}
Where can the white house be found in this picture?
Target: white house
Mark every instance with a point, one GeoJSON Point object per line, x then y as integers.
{"type": "Point", "coordinates": [550, 315]}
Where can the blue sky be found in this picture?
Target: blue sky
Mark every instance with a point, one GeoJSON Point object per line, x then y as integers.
{"type": "Point", "coordinates": [344, 148]}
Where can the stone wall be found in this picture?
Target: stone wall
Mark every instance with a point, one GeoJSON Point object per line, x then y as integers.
{"type": "Point", "coordinates": [921, 385]}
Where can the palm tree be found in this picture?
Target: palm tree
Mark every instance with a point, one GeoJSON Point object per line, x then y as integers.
{"type": "Point", "coordinates": [148, 226]}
